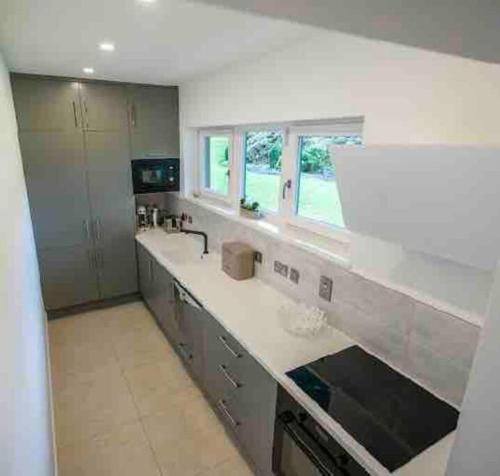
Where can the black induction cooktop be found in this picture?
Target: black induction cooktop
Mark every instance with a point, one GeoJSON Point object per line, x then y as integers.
{"type": "Point", "coordinates": [391, 416]}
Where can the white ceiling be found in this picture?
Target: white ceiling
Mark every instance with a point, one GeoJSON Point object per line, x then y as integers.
{"type": "Point", "coordinates": [459, 27]}
{"type": "Point", "coordinates": [161, 43]}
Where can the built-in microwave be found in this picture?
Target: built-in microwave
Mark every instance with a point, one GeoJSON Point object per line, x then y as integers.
{"type": "Point", "coordinates": [155, 175]}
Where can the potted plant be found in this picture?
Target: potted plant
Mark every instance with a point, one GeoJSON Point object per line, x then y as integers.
{"type": "Point", "coordinates": [250, 209]}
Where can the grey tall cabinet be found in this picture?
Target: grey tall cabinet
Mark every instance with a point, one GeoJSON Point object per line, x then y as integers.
{"type": "Point", "coordinates": [76, 143]}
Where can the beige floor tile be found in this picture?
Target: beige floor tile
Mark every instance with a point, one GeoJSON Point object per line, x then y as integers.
{"type": "Point", "coordinates": [82, 357]}
{"type": "Point", "coordinates": [158, 386]}
{"type": "Point", "coordinates": [86, 408]}
{"type": "Point", "coordinates": [123, 451]}
{"type": "Point", "coordinates": [90, 327]}
{"type": "Point", "coordinates": [141, 347]}
{"type": "Point", "coordinates": [196, 454]}
{"type": "Point", "coordinates": [233, 467]}
{"type": "Point", "coordinates": [129, 319]}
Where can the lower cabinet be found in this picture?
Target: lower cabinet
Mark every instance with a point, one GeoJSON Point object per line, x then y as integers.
{"type": "Point", "coordinates": [242, 392]}
{"type": "Point", "coordinates": [192, 319]}
{"type": "Point", "coordinates": [157, 288]}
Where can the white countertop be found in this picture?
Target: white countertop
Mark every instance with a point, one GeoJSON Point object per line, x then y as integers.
{"type": "Point", "coordinates": [249, 310]}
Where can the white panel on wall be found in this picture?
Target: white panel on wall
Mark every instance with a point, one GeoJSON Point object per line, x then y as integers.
{"type": "Point", "coordinates": [442, 200]}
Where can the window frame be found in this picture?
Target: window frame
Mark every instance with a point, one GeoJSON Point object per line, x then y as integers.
{"type": "Point", "coordinates": [286, 217]}
{"type": "Point", "coordinates": [201, 170]}
{"type": "Point", "coordinates": [272, 215]}
{"type": "Point", "coordinates": [293, 219]}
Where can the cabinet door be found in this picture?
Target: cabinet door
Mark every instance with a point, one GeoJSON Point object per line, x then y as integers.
{"type": "Point", "coordinates": [244, 393]}
{"type": "Point", "coordinates": [45, 104]}
{"type": "Point", "coordinates": [166, 309]}
{"type": "Point", "coordinates": [55, 171]}
{"type": "Point", "coordinates": [257, 403]}
{"type": "Point", "coordinates": [191, 336]}
{"type": "Point", "coordinates": [154, 121]}
{"type": "Point", "coordinates": [145, 263]}
{"type": "Point", "coordinates": [112, 204]}
{"type": "Point", "coordinates": [104, 106]}
{"type": "Point", "coordinates": [68, 276]}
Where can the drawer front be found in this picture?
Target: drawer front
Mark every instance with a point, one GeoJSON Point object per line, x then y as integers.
{"type": "Point", "coordinates": [230, 413]}
{"type": "Point", "coordinates": [240, 387]}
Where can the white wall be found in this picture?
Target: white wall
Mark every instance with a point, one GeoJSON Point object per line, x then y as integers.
{"type": "Point", "coordinates": [405, 95]}
{"type": "Point", "coordinates": [476, 446]}
{"type": "Point", "coordinates": [25, 417]}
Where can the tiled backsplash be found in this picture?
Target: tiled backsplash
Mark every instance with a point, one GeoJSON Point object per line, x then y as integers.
{"type": "Point", "coordinates": [430, 346]}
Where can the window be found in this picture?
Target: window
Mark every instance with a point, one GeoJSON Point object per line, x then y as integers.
{"type": "Point", "coordinates": [215, 166]}
{"type": "Point", "coordinates": [317, 195]}
{"type": "Point", "coordinates": [288, 168]}
{"type": "Point", "coordinates": [262, 168]}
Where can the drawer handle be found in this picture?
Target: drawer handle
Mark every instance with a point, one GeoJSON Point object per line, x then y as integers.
{"type": "Point", "coordinates": [229, 378]}
{"type": "Point", "coordinates": [222, 407]}
{"type": "Point", "coordinates": [184, 353]}
{"type": "Point", "coordinates": [235, 354]}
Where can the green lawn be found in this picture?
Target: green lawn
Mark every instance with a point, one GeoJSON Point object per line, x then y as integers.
{"type": "Point", "coordinates": [318, 199]}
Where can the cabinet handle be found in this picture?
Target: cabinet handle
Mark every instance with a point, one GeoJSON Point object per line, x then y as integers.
{"type": "Point", "coordinates": [150, 263]}
{"type": "Point", "coordinates": [235, 354]}
{"type": "Point", "coordinates": [74, 114]}
{"type": "Point", "coordinates": [229, 377]}
{"type": "Point", "coordinates": [86, 114]}
{"type": "Point", "coordinates": [133, 116]}
{"type": "Point", "coordinates": [223, 408]}
{"type": "Point", "coordinates": [86, 229]}
{"type": "Point", "coordinates": [184, 352]}
{"type": "Point", "coordinates": [286, 185]}
{"type": "Point", "coordinates": [97, 229]}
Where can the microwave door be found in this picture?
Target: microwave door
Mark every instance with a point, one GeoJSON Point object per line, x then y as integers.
{"type": "Point", "coordinates": [152, 177]}
{"type": "Point", "coordinates": [155, 175]}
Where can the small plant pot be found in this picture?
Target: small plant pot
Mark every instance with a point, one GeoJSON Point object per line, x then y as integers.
{"type": "Point", "coordinates": [253, 214]}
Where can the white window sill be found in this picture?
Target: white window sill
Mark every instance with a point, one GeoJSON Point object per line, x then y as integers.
{"type": "Point", "coordinates": [322, 246]}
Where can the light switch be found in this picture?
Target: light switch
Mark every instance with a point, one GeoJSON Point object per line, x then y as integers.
{"type": "Point", "coordinates": [325, 288]}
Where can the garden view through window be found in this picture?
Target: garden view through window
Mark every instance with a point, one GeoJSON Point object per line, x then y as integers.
{"type": "Point", "coordinates": [263, 159]}
{"type": "Point", "coordinates": [263, 154]}
{"type": "Point", "coordinates": [318, 197]}
{"type": "Point", "coordinates": [217, 164]}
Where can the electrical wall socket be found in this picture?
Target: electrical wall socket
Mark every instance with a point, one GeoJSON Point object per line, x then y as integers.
{"type": "Point", "coordinates": [281, 268]}
{"type": "Point", "coordinates": [294, 275]}
{"type": "Point", "coordinates": [325, 288]}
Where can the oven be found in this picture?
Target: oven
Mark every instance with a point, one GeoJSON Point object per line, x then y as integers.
{"type": "Point", "coordinates": [155, 175]}
{"type": "Point", "coordinates": [303, 448]}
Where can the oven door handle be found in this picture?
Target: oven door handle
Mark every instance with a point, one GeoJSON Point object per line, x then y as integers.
{"type": "Point", "coordinates": [301, 438]}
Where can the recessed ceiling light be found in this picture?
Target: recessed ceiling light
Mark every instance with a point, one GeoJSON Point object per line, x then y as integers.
{"type": "Point", "coordinates": [88, 70]}
{"type": "Point", "coordinates": [146, 2]}
{"type": "Point", "coordinates": [106, 46]}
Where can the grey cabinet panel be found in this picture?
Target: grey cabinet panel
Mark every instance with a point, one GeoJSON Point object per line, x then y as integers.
{"type": "Point", "coordinates": [112, 204]}
{"type": "Point", "coordinates": [55, 170]}
{"type": "Point", "coordinates": [117, 269]}
{"type": "Point", "coordinates": [190, 339]}
{"type": "Point", "coordinates": [257, 402]}
{"type": "Point", "coordinates": [110, 186]}
{"type": "Point", "coordinates": [104, 106]}
{"type": "Point", "coordinates": [68, 276]}
{"type": "Point", "coordinates": [165, 302]}
{"type": "Point", "coordinates": [45, 104]}
{"type": "Point", "coordinates": [154, 121]}
{"type": "Point", "coordinates": [243, 392]}
{"type": "Point", "coordinates": [145, 263]}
